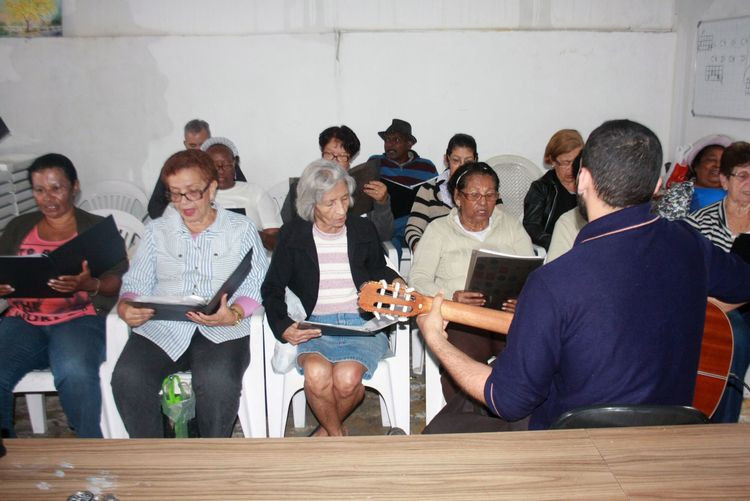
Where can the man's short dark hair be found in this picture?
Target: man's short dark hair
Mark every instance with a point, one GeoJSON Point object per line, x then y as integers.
{"type": "Point", "coordinates": [196, 126]}
{"type": "Point", "coordinates": [624, 158]}
{"type": "Point", "coordinates": [348, 138]}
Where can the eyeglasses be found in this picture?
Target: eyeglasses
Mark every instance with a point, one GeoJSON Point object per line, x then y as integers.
{"type": "Point", "coordinates": [490, 196]}
{"type": "Point", "coordinates": [344, 157]}
{"type": "Point", "coordinates": [741, 176]}
{"type": "Point", "coordinates": [191, 195]}
{"type": "Point", "coordinates": [222, 165]}
{"type": "Point", "coordinates": [564, 163]}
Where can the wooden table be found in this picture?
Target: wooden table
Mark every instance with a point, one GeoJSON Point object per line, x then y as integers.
{"type": "Point", "coordinates": [695, 462]}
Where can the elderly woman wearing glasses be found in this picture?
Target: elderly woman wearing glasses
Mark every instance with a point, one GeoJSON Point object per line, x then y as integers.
{"type": "Point", "coordinates": [191, 250]}
{"type": "Point", "coordinates": [554, 193]}
{"type": "Point", "coordinates": [323, 257]}
{"type": "Point", "coordinates": [441, 261]}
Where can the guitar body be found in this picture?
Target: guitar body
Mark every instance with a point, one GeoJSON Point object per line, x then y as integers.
{"type": "Point", "coordinates": [715, 362]}
{"type": "Point", "coordinates": [716, 347]}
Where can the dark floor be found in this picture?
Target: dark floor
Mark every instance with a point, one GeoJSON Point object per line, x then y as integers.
{"type": "Point", "coordinates": [365, 420]}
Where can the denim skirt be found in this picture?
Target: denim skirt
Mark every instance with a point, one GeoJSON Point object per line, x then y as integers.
{"type": "Point", "coordinates": [367, 350]}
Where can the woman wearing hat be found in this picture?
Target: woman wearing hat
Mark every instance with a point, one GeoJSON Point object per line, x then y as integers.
{"type": "Point", "coordinates": [702, 186]}
{"type": "Point", "coordinates": [241, 196]}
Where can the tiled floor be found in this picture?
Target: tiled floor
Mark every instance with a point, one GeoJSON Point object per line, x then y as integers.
{"type": "Point", "coordinates": [364, 421]}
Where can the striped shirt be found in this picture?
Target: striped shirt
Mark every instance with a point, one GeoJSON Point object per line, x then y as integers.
{"type": "Point", "coordinates": [170, 261]}
{"type": "Point", "coordinates": [711, 221]}
{"type": "Point", "coordinates": [430, 203]}
{"type": "Point", "coordinates": [336, 290]}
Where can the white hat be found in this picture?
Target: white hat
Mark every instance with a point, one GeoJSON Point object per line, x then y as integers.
{"type": "Point", "coordinates": [696, 147]}
{"type": "Point", "coordinates": [220, 140]}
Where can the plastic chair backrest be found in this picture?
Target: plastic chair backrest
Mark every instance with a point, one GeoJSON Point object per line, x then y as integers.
{"type": "Point", "coordinates": [119, 195]}
{"type": "Point", "coordinates": [516, 175]}
{"type": "Point", "coordinates": [131, 228]}
{"type": "Point", "coordinates": [278, 192]}
{"type": "Point", "coordinates": [612, 416]}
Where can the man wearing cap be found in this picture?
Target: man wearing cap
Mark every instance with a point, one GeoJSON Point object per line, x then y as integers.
{"type": "Point", "coordinates": [402, 169]}
{"type": "Point", "coordinates": [615, 320]}
{"type": "Point", "coordinates": [241, 196]}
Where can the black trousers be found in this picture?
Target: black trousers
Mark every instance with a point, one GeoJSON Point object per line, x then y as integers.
{"type": "Point", "coordinates": [217, 371]}
{"type": "Point", "coordinates": [463, 414]}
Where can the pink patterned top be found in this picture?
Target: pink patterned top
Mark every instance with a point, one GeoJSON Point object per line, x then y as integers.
{"type": "Point", "coordinates": [48, 311]}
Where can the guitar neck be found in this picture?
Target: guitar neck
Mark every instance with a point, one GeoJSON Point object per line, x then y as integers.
{"type": "Point", "coordinates": [475, 316]}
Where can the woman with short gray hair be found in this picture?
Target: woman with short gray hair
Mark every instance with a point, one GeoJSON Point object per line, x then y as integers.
{"type": "Point", "coordinates": [324, 257]}
{"type": "Point", "coordinates": [317, 179]}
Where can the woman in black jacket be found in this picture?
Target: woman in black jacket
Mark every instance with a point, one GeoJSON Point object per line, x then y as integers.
{"type": "Point", "coordinates": [555, 192]}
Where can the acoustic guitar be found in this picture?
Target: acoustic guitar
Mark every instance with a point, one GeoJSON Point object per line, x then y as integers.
{"type": "Point", "coordinates": [716, 347]}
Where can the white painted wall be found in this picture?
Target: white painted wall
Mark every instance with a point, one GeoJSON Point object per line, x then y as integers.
{"type": "Point", "coordinates": [271, 75]}
{"type": "Point", "coordinates": [687, 128]}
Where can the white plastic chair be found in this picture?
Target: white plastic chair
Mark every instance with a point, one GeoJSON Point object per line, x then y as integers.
{"type": "Point", "coordinates": [516, 174]}
{"type": "Point", "coordinates": [35, 384]}
{"type": "Point", "coordinates": [433, 390]}
{"type": "Point", "coordinates": [390, 380]}
{"type": "Point", "coordinates": [119, 195]}
{"type": "Point", "coordinates": [130, 227]}
{"type": "Point", "coordinates": [252, 410]}
{"type": "Point", "coordinates": [278, 193]}
{"type": "Point", "coordinates": [417, 343]}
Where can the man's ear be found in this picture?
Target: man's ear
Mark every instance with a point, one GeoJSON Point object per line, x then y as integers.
{"type": "Point", "coordinates": [584, 182]}
{"type": "Point", "coordinates": [658, 185]}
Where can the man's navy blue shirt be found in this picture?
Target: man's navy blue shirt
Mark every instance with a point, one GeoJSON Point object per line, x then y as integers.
{"type": "Point", "coordinates": [616, 320]}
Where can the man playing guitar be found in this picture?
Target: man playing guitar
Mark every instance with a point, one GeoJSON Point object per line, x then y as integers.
{"type": "Point", "coordinates": [616, 320]}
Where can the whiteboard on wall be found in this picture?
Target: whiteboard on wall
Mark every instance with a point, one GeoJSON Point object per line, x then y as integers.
{"type": "Point", "coordinates": [722, 69]}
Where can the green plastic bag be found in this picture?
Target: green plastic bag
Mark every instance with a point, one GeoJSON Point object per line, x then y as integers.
{"type": "Point", "coordinates": [178, 404]}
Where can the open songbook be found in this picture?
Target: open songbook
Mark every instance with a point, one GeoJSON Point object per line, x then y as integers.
{"type": "Point", "coordinates": [370, 328]}
{"type": "Point", "coordinates": [499, 276]}
{"type": "Point", "coordinates": [100, 245]}
{"type": "Point", "coordinates": [176, 308]}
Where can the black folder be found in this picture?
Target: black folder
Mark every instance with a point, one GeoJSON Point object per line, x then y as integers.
{"type": "Point", "coordinates": [370, 328]}
{"type": "Point", "coordinates": [176, 308]}
{"type": "Point", "coordinates": [101, 245]}
{"type": "Point", "coordinates": [499, 276]}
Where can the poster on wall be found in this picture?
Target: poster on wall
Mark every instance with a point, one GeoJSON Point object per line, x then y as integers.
{"type": "Point", "coordinates": [722, 69]}
{"type": "Point", "coordinates": [30, 18]}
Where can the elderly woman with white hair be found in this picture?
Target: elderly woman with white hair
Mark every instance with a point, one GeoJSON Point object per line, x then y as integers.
{"type": "Point", "coordinates": [323, 257]}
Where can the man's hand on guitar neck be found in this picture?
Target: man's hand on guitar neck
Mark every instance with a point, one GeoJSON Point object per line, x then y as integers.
{"type": "Point", "coordinates": [468, 373]}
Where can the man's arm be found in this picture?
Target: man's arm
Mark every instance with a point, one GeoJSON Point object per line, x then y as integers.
{"type": "Point", "coordinates": [470, 375]}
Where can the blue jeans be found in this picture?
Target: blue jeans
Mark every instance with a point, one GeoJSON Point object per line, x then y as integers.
{"type": "Point", "coordinates": [730, 405]}
{"type": "Point", "coordinates": [74, 350]}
